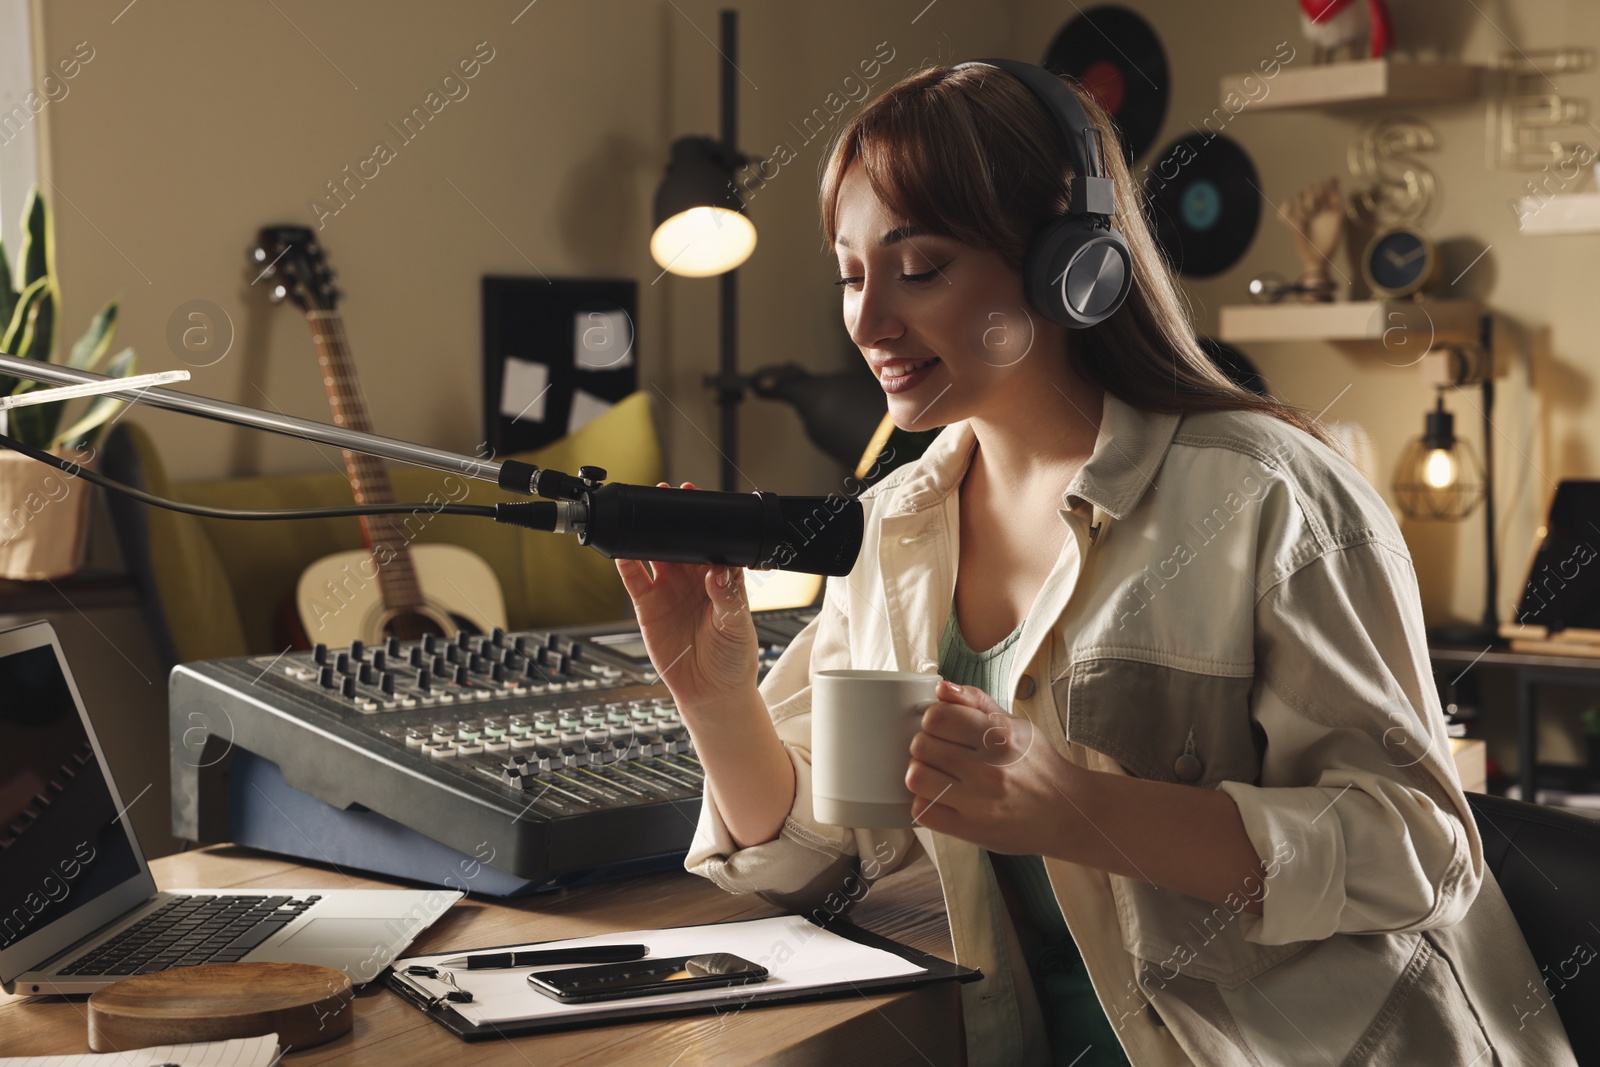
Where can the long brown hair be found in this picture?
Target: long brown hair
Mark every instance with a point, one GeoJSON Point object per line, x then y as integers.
{"type": "Point", "coordinates": [972, 155]}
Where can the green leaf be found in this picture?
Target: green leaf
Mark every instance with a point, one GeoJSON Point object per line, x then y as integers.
{"type": "Point", "coordinates": [38, 240]}
{"type": "Point", "coordinates": [38, 334]}
{"type": "Point", "coordinates": [83, 433]}
{"type": "Point", "coordinates": [12, 338]}
{"type": "Point", "coordinates": [19, 317]}
{"type": "Point", "coordinates": [37, 425]}
{"type": "Point", "coordinates": [8, 293]}
{"type": "Point", "coordinates": [96, 341]}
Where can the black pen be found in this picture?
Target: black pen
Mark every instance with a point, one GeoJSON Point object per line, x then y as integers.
{"type": "Point", "coordinates": [539, 957]}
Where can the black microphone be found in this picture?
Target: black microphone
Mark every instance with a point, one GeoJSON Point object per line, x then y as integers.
{"type": "Point", "coordinates": [811, 534]}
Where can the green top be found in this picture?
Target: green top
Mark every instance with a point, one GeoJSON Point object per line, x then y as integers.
{"type": "Point", "coordinates": [1077, 1026]}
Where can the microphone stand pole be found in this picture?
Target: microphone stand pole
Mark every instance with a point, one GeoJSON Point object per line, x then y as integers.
{"type": "Point", "coordinates": [273, 422]}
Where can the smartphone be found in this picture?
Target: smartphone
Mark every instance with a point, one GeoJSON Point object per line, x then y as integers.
{"type": "Point", "coordinates": [646, 978]}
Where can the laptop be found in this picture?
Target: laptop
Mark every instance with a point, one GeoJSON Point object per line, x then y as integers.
{"type": "Point", "coordinates": [78, 906]}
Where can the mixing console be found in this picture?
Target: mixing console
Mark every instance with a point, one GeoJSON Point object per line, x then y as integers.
{"type": "Point", "coordinates": [552, 751]}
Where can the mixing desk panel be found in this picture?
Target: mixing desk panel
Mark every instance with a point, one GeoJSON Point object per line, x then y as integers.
{"type": "Point", "coordinates": [554, 752]}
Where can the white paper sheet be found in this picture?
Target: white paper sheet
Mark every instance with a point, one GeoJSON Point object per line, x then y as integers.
{"type": "Point", "coordinates": [240, 1052]}
{"type": "Point", "coordinates": [798, 954]}
{"type": "Point", "coordinates": [602, 340]}
{"type": "Point", "coordinates": [586, 407]}
{"type": "Point", "coordinates": [522, 393]}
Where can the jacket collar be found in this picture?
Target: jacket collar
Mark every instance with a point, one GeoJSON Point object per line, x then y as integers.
{"type": "Point", "coordinates": [1129, 450]}
{"type": "Point", "coordinates": [923, 509]}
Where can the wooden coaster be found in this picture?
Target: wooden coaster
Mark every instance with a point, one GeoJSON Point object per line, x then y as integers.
{"type": "Point", "coordinates": [304, 1005]}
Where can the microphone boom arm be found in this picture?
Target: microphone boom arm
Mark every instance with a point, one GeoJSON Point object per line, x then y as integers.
{"type": "Point", "coordinates": [237, 414]}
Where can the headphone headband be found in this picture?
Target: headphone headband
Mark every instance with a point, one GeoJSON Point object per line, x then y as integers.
{"type": "Point", "coordinates": [1091, 189]}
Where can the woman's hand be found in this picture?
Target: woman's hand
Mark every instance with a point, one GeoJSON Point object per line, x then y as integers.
{"type": "Point", "coordinates": [696, 626]}
{"type": "Point", "coordinates": [988, 777]}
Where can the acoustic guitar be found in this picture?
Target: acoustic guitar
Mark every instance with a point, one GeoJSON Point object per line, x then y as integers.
{"type": "Point", "coordinates": [392, 587]}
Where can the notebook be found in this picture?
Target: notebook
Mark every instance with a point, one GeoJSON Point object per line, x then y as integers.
{"type": "Point", "coordinates": [78, 906]}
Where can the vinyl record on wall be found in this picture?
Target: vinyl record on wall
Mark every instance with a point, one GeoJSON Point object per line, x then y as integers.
{"type": "Point", "coordinates": [1204, 204]}
{"type": "Point", "coordinates": [1116, 56]}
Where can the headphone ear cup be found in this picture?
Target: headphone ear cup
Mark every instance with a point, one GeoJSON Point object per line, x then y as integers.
{"type": "Point", "coordinates": [1077, 274]}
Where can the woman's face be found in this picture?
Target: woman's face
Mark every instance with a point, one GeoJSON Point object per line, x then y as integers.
{"type": "Point", "coordinates": [945, 326]}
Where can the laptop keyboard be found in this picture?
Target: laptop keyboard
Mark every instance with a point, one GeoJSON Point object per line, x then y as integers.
{"type": "Point", "coordinates": [187, 931]}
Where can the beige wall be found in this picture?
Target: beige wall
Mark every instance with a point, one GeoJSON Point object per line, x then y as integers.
{"type": "Point", "coordinates": [196, 123]}
{"type": "Point", "coordinates": [1545, 413]}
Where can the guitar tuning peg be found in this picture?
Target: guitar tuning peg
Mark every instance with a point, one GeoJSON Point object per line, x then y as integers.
{"type": "Point", "coordinates": [334, 295]}
{"type": "Point", "coordinates": [258, 254]}
{"type": "Point", "coordinates": [279, 292]}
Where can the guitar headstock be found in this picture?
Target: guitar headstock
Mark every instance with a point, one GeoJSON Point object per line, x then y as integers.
{"type": "Point", "coordinates": [292, 258]}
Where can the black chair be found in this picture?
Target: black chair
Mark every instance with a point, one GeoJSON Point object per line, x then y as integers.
{"type": "Point", "coordinates": [1548, 865]}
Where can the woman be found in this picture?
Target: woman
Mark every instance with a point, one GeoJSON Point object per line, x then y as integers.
{"type": "Point", "coordinates": [1193, 801]}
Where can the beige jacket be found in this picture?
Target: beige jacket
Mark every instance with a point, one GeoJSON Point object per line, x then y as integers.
{"type": "Point", "coordinates": [1233, 589]}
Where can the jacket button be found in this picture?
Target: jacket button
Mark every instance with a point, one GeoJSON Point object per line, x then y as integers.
{"type": "Point", "coordinates": [1188, 767]}
{"type": "Point", "coordinates": [1025, 687]}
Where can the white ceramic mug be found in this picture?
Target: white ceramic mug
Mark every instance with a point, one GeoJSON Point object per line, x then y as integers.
{"type": "Point", "coordinates": [862, 723]}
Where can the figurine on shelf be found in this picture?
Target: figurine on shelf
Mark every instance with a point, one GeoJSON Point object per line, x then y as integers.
{"type": "Point", "coordinates": [1316, 215]}
{"type": "Point", "coordinates": [1335, 29]}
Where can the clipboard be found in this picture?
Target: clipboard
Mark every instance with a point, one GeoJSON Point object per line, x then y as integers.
{"type": "Point", "coordinates": [736, 998]}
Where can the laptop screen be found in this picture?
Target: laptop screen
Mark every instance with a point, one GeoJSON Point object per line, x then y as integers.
{"type": "Point", "coordinates": [1563, 590]}
{"type": "Point", "coordinates": [62, 842]}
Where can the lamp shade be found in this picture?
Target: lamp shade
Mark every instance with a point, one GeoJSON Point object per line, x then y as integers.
{"type": "Point", "coordinates": [1440, 476]}
{"type": "Point", "coordinates": [700, 228]}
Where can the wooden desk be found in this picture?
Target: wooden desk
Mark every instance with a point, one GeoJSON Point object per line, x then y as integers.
{"type": "Point", "coordinates": [920, 1026]}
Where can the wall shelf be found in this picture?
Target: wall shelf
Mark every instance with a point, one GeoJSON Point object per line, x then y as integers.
{"type": "Point", "coordinates": [1426, 323]}
{"type": "Point", "coordinates": [1361, 81]}
{"type": "Point", "coordinates": [1562, 213]}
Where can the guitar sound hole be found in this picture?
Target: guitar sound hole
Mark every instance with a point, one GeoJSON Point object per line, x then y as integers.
{"type": "Point", "coordinates": [413, 627]}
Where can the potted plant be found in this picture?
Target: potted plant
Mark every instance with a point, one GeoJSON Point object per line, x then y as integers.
{"type": "Point", "coordinates": [44, 511]}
